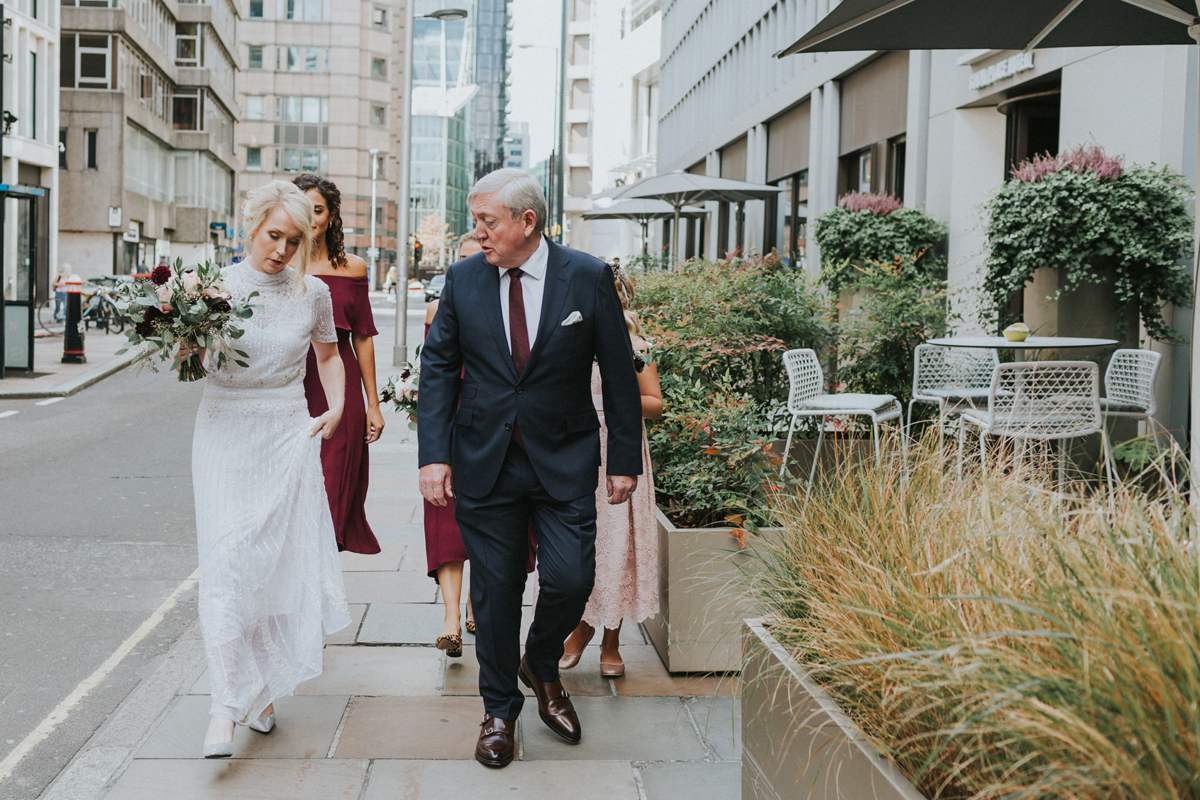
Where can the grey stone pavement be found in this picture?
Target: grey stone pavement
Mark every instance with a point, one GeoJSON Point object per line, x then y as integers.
{"type": "Point", "coordinates": [393, 717]}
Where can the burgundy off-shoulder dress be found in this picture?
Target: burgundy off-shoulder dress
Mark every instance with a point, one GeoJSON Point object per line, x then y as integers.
{"type": "Point", "coordinates": [344, 455]}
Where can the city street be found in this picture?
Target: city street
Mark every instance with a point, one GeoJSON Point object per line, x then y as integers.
{"type": "Point", "coordinates": [97, 530]}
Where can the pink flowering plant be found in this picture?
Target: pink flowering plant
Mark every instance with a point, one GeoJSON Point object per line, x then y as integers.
{"type": "Point", "coordinates": [184, 315]}
{"type": "Point", "coordinates": [866, 228]}
{"type": "Point", "coordinates": [1095, 221]}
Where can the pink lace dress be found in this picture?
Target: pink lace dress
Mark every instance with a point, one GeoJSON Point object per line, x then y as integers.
{"type": "Point", "coordinates": [626, 542]}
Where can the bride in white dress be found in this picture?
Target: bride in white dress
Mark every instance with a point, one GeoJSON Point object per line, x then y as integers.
{"type": "Point", "coordinates": [270, 581]}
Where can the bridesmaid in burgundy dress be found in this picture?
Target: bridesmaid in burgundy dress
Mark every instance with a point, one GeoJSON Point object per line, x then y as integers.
{"type": "Point", "coordinates": [444, 551]}
{"type": "Point", "coordinates": [344, 455]}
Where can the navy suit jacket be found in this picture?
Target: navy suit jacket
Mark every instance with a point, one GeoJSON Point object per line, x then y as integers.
{"type": "Point", "coordinates": [551, 399]}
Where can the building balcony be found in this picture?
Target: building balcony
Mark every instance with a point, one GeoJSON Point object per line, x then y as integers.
{"type": "Point", "coordinates": [204, 78]}
{"type": "Point", "coordinates": [118, 20]}
{"type": "Point", "coordinates": [222, 25]}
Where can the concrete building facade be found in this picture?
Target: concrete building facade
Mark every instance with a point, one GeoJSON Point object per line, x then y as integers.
{"type": "Point", "coordinates": [938, 129]}
{"type": "Point", "coordinates": [31, 169]}
{"type": "Point", "coordinates": [322, 89]}
{"type": "Point", "coordinates": [148, 120]}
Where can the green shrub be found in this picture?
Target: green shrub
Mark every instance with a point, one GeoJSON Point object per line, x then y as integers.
{"type": "Point", "coordinates": [846, 236]}
{"type": "Point", "coordinates": [1081, 216]}
{"type": "Point", "coordinates": [718, 331]}
{"type": "Point", "coordinates": [904, 305]}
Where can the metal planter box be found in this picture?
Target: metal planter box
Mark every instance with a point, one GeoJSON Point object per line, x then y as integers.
{"type": "Point", "coordinates": [796, 742]}
{"type": "Point", "coordinates": [702, 596]}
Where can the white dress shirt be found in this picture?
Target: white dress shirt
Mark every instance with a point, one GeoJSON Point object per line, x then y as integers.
{"type": "Point", "coordinates": [533, 285]}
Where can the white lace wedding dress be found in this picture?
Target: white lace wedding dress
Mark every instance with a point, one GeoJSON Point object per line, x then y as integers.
{"type": "Point", "coordinates": [270, 580]}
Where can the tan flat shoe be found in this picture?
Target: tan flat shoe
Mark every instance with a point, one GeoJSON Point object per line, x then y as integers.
{"type": "Point", "coordinates": [570, 660]}
{"type": "Point", "coordinates": [610, 670]}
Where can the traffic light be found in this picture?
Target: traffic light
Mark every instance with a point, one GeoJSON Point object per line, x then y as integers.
{"type": "Point", "coordinates": [417, 252]}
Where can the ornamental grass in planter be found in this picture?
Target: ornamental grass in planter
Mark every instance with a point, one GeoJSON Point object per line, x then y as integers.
{"type": "Point", "coordinates": [995, 639]}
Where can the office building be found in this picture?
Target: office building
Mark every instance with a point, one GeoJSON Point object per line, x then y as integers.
{"type": "Point", "coordinates": [31, 171]}
{"type": "Point", "coordinates": [321, 90]}
{"type": "Point", "coordinates": [147, 122]}
{"type": "Point", "coordinates": [492, 39]}
{"type": "Point", "coordinates": [516, 146]}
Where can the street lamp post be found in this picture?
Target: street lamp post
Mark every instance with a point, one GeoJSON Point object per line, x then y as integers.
{"type": "Point", "coordinates": [373, 253]}
{"type": "Point", "coordinates": [400, 342]}
{"type": "Point", "coordinates": [556, 157]}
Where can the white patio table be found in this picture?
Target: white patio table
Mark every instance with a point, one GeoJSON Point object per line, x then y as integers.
{"type": "Point", "coordinates": [1019, 348]}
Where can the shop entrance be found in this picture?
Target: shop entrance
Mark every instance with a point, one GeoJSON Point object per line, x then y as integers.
{"type": "Point", "coordinates": [25, 274]}
{"type": "Point", "coordinates": [1032, 126]}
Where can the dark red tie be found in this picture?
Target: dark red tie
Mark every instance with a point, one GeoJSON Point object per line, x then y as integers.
{"type": "Point", "coordinates": [518, 330]}
{"type": "Point", "coordinates": [518, 334]}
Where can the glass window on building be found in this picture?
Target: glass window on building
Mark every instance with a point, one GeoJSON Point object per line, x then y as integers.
{"type": "Point", "coordinates": [255, 61]}
{"type": "Point", "coordinates": [789, 218]}
{"type": "Point", "coordinates": [91, 149]}
{"type": "Point", "coordinates": [187, 44]}
{"type": "Point", "coordinates": [379, 17]}
{"type": "Point", "coordinates": [304, 10]}
{"type": "Point", "coordinates": [31, 116]}
{"type": "Point", "coordinates": [185, 112]}
{"type": "Point", "coordinates": [93, 65]}
{"type": "Point", "coordinates": [256, 9]}
{"type": "Point", "coordinates": [378, 115]}
{"type": "Point", "coordinates": [255, 108]}
{"type": "Point", "coordinates": [254, 159]}
{"type": "Point", "coordinates": [378, 67]}
{"type": "Point", "coordinates": [62, 148]}
{"type": "Point", "coordinates": [302, 134]}
{"type": "Point", "coordinates": [148, 165]}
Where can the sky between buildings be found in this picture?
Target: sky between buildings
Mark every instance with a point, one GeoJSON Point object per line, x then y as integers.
{"type": "Point", "coordinates": [536, 22]}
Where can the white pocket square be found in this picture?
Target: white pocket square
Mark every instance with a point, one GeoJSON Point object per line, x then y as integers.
{"type": "Point", "coordinates": [572, 319]}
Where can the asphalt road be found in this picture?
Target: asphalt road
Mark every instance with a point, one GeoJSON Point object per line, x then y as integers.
{"type": "Point", "coordinates": [97, 528]}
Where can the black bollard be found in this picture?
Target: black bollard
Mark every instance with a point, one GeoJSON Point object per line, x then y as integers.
{"type": "Point", "coordinates": [73, 332]}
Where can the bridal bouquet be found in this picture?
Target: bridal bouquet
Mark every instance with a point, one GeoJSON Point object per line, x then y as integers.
{"type": "Point", "coordinates": [403, 396]}
{"type": "Point", "coordinates": [180, 314]}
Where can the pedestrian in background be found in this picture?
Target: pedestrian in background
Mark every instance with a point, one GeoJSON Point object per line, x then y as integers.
{"type": "Point", "coordinates": [627, 534]}
{"type": "Point", "coordinates": [390, 284]}
{"type": "Point", "coordinates": [444, 551]}
{"type": "Point", "coordinates": [60, 292]}
{"type": "Point", "coordinates": [344, 456]}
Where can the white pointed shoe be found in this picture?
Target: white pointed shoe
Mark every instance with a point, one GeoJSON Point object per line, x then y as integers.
{"type": "Point", "coordinates": [219, 749]}
{"type": "Point", "coordinates": [263, 724]}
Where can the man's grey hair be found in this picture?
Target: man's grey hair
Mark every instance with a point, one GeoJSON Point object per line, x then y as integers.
{"type": "Point", "coordinates": [516, 190]}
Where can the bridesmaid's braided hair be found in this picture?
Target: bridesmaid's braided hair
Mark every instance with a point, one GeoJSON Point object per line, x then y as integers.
{"type": "Point", "coordinates": [335, 240]}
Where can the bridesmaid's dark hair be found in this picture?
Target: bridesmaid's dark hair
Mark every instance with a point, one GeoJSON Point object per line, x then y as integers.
{"type": "Point", "coordinates": [335, 241]}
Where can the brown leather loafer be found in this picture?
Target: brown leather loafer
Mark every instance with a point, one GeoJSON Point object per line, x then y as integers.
{"type": "Point", "coordinates": [554, 706]}
{"type": "Point", "coordinates": [497, 742]}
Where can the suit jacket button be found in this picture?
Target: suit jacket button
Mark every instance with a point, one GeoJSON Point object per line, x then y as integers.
{"type": "Point", "coordinates": [520, 390]}
{"type": "Point", "coordinates": [508, 426]}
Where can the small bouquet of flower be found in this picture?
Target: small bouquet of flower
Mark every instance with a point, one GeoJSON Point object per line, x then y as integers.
{"type": "Point", "coordinates": [403, 396]}
{"type": "Point", "coordinates": [181, 314]}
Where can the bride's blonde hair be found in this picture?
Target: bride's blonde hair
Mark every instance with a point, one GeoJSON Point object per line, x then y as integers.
{"type": "Point", "coordinates": [280, 194]}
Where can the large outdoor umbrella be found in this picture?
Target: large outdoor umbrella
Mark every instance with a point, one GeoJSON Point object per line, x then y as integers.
{"type": "Point", "coordinates": [1017, 25]}
{"type": "Point", "coordinates": [641, 212]}
{"type": "Point", "coordinates": [681, 189]}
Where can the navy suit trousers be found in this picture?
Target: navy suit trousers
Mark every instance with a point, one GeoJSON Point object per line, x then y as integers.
{"type": "Point", "coordinates": [495, 531]}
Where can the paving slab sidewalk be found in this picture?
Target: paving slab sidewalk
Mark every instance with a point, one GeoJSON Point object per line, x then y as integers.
{"type": "Point", "coordinates": [393, 717]}
{"type": "Point", "coordinates": [52, 378]}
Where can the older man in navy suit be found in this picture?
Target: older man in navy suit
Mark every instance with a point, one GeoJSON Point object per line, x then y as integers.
{"type": "Point", "coordinates": [526, 318]}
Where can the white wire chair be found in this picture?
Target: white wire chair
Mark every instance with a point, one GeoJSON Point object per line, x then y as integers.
{"type": "Point", "coordinates": [1129, 385]}
{"type": "Point", "coordinates": [1043, 401]}
{"type": "Point", "coordinates": [807, 398]}
{"type": "Point", "coordinates": [951, 378]}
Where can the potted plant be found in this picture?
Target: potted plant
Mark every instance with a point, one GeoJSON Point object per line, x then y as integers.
{"type": "Point", "coordinates": [1090, 245]}
{"type": "Point", "coordinates": [717, 330]}
{"type": "Point", "coordinates": [974, 637]}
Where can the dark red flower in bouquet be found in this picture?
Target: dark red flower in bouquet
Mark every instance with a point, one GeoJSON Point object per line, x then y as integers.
{"type": "Point", "coordinates": [406, 374]}
{"type": "Point", "coordinates": [160, 275]}
{"type": "Point", "coordinates": [220, 305]}
{"type": "Point", "coordinates": [146, 326]}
